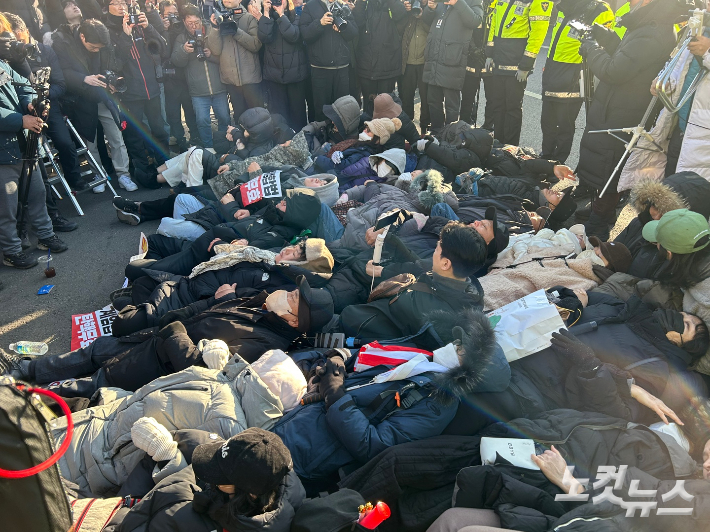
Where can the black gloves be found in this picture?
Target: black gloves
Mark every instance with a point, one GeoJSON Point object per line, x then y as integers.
{"type": "Point", "coordinates": [332, 382]}
{"type": "Point", "coordinates": [669, 320]}
{"type": "Point", "coordinates": [588, 43]}
{"type": "Point", "coordinates": [567, 344]}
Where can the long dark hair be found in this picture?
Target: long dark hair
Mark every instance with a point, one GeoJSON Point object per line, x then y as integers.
{"type": "Point", "coordinates": [684, 271]}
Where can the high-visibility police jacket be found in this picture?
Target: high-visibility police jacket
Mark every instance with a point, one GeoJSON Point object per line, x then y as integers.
{"type": "Point", "coordinates": [560, 79]}
{"type": "Point", "coordinates": [621, 30]}
{"type": "Point", "coordinates": [518, 28]}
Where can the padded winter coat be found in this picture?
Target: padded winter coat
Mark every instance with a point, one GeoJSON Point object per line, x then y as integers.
{"type": "Point", "coordinates": [102, 454]}
{"type": "Point", "coordinates": [239, 53]}
{"type": "Point", "coordinates": [285, 58]}
{"type": "Point", "coordinates": [326, 47]}
{"type": "Point", "coordinates": [379, 46]}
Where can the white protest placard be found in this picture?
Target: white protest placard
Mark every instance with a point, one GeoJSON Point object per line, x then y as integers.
{"type": "Point", "coordinates": [267, 185]}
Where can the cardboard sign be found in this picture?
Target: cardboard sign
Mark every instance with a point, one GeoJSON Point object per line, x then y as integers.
{"type": "Point", "coordinates": [85, 328]}
{"type": "Point", "coordinates": [267, 185]}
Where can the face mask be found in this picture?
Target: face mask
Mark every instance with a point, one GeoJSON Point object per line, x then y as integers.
{"type": "Point", "coordinates": [669, 320]}
{"type": "Point", "coordinates": [277, 303]}
{"type": "Point", "coordinates": [364, 137]}
{"type": "Point", "coordinates": [447, 356]}
{"type": "Point", "coordinates": [383, 169]}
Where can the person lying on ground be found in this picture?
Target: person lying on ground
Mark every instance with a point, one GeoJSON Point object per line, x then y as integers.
{"type": "Point", "coordinates": [449, 286]}
{"type": "Point", "coordinates": [341, 123]}
{"type": "Point", "coordinates": [250, 270]}
{"type": "Point", "coordinates": [247, 327]}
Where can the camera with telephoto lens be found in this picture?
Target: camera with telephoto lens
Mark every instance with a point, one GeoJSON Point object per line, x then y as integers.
{"type": "Point", "coordinates": [417, 7]}
{"type": "Point", "coordinates": [198, 44]}
{"type": "Point", "coordinates": [173, 19]}
{"type": "Point", "coordinates": [579, 30]}
{"type": "Point", "coordinates": [116, 81]}
{"type": "Point", "coordinates": [340, 12]}
{"type": "Point", "coordinates": [13, 50]}
{"type": "Point", "coordinates": [225, 18]}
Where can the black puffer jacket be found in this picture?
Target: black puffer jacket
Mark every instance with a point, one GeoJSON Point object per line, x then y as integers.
{"type": "Point", "coordinates": [462, 147]}
{"type": "Point", "coordinates": [449, 40]}
{"type": "Point", "coordinates": [379, 47]}
{"type": "Point", "coordinates": [285, 59]}
{"type": "Point", "coordinates": [327, 48]}
{"type": "Point", "coordinates": [622, 96]}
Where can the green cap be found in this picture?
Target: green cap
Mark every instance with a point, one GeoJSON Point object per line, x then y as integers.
{"type": "Point", "coordinates": [680, 231]}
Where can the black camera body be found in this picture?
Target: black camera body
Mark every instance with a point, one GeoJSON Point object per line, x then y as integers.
{"type": "Point", "coordinates": [13, 50]}
{"type": "Point", "coordinates": [173, 19]}
{"type": "Point", "coordinates": [116, 81]}
{"type": "Point", "coordinates": [133, 14]}
{"type": "Point", "coordinates": [340, 13]}
{"type": "Point", "coordinates": [276, 3]}
{"type": "Point", "coordinates": [225, 18]}
{"type": "Point", "coordinates": [416, 7]}
{"type": "Point", "coordinates": [579, 30]}
{"type": "Point", "coordinates": [198, 44]}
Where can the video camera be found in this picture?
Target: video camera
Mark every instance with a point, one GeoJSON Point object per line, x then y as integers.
{"type": "Point", "coordinates": [225, 16]}
{"type": "Point", "coordinates": [116, 81]}
{"type": "Point", "coordinates": [198, 44]}
{"type": "Point", "coordinates": [13, 50]}
{"type": "Point", "coordinates": [579, 30]}
{"type": "Point", "coordinates": [340, 12]}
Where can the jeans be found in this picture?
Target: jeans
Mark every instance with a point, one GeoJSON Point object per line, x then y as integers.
{"type": "Point", "coordinates": [36, 218]}
{"type": "Point", "coordinates": [327, 226]}
{"type": "Point", "coordinates": [371, 88]}
{"type": "Point", "coordinates": [288, 100]}
{"type": "Point", "coordinates": [177, 226]}
{"type": "Point", "coordinates": [243, 98]}
{"type": "Point", "coordinates": [440, 98]}
{"type": "Point", "coordinates": [506, 98]}
{"type": "Point", "coordinates": [328, 86]}
{"type": "Point", "coordinates": [557, 121]}
{"type": "Point", "coordinates": [411, 80]}
{"type": "Point", "coordinates": [178, 101]}
{"type": "Point", "coordinates": [202, 105]}
{"type": "Point", "coordinates": [119, 153]}
{"type": "Point", "coordinates": [445, 211]}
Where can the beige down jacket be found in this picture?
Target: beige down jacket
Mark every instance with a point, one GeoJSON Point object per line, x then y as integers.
{"type": "Point", "coordinates": [102, 454]}
{"type": "Point", "coordinates": [239, 53]}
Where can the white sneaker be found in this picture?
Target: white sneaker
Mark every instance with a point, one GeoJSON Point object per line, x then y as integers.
{"type": "Point", "coordinates": [127, 183]}
{"type": "Point", "coordinates": [99, 189]}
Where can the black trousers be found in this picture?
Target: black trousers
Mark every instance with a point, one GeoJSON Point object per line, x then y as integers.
{"type": "Point", "coordinates": [440, 100]}
{"type": "Point", "coordinates": [411, 81]}
{"type": "Point", "coordinates": [371, 88]}
{"type": "Point", "coordinates": [138, 143]}
{"type": "Point", "coordinates": [288, 100]}
{"type": "Point", "coordinates": [506, 96]}
{"type": "Point", "coordinates": [328, 85]}
{"type": "Point", "coordinates": [674, 146]}
{"type": "Point", "coordinates": [244, 97]}
{"type": "Point", "coordinates": [58, 131]}
{"type": "Point", "coordinates": [557, 121]}
{"type": "Point", "coordinates": [52, 208]}
{"type": "Point", "coordinates": [469, 98]}
{"type": "Point", "coordinates": [490, 110]}
{"type": "Point", "coordinates": [603, 213]}
{"type": "Point", "coordinates": [177, 101]}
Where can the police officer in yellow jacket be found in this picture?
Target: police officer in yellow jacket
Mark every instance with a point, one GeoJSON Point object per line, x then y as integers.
{"type": "Point", "coordinates": [561, 97]}
{"type": "Point", "coordinates": [517, 30]}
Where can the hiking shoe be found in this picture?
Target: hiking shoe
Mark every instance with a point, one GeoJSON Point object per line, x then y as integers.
{"type": "Point", "coordinates": [19, 260]}
{"type": "Point", "coordinates": [59, 223]}
{"type": "Point", "coordinates": [121, 292]}
{"type": "Point", "coordinates": [127, 183]}
{"type": "Point", "coordinates": [25, 239]}
{"type": "Point", "coordinates": [99, 189]}
{"type": "Point", "coordinates": [128, 218]}
{"type": "Point", "coordinates": [125, 205]}
{"type": "Point", "coordinates": [52, 244]}
{"type": "Point", "coordinates": [81, 186]}
{"type": "Point", "coordinates": [11, 364]}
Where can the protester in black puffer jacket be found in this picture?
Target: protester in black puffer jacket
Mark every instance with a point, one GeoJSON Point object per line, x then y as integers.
{"type": "Point", "coordinates": [621, 98]}
{"type": "Point", "coordinates": [285, 63]}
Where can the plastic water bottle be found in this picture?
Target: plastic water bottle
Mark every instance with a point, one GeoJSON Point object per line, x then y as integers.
{"type": "Point", "coordinates": [30, 348]}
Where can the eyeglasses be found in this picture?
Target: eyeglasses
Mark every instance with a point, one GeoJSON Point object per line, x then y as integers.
{"type": "Point", "coordinates": [118, 4]}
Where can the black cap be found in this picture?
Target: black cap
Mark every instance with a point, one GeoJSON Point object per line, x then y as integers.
{"type": "Point", "coordinates": [255, 461]}
{"type": "Point", "coordinates": [500, 232]}
{"type": "Point", "coordinates": [564, 209]}
{"type": "Point", "coordinates": [315, 307]}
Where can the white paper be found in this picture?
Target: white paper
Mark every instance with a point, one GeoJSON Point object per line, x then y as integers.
{"type": "Point", "coordinates": [526, 325]}
{"type": "Point", "coordinates": [515, 451]}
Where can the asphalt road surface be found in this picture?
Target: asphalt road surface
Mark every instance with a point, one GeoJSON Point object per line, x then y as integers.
{"type": "Point", "coordinates": [98, 251]}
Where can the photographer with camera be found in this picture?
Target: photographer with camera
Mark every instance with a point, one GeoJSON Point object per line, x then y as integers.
{"type": "Point", "coordinates": [561, 98]}
{"type": "Point", "coordinates": [84, 55]}
{"type": "Point", "coordinates": [202, 71]}
{"type": "Point", "coordinates": [17, 114]}
{"type": "Point", "coordinates": [177, 93]}
{"type": "Point", "coordinates": [234, 39]}
{"type": "Point", "coordinates": [378, 55]}
{"type": "Point", "coordinates": [327, 28]}
{"type": "Point", "coordinates": [621, 97]}
{"type": "Point", "coordinates": [451, 26]}
{"type": "Point", "coordinates": [285, 61]}
{"type": "Point", "coordinates": [139, 46]}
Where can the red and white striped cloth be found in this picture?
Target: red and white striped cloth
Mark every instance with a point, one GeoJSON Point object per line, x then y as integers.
{"type": "Point", "coordinates": [375, 354]}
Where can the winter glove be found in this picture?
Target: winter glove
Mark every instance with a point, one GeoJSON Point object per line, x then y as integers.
{"type": "Point", "coordinates": [522, 75]}
{"type": "Point", "coordinates": [150, 436]}
{"type": "Point", "coordinates": [422, 144]}
{"type": "Point", "coordinates": [332, 382]}
{"type": "Point", "coordinates": [215, 353]}
{"type": "Point", "coordinates": [669, 320]}
{"type": "Point", "coordinates": [336, 157]}
{"type": "Point", "coordinates": [568, 345]}
{"type": "Point", "coordinates": [587, 46]}
{"type": "Point", "coordinates": [489, 66]}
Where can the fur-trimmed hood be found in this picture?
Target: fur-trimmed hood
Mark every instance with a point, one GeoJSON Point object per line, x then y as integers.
{"type": "Point", "coordinates": [648, 192]}
{"type": "Point", "coordinates": [479, 344]}
{"type": "Point", "coordinates": [429, 188]}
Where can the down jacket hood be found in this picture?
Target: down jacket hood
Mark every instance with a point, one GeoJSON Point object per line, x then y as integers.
{"type": "Point", "coordinates": [429, 188]}
{"type": "Point", "coordinates": [653, 193]}
{"type": "Point", "coordinates": [345, 114]}
{"type": "Point", "coordinates": [258, 122]}
{"type": "Point", "coordinates": [474, 332]}
{"type": "Point", "coordinates": [396, 156]}
{"type": "Point", "coordinates": [328, 193]}
{"type": "Point", "coordinates": [477, 140]}
{"type": "Point", "coordinates": [302, 208]}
